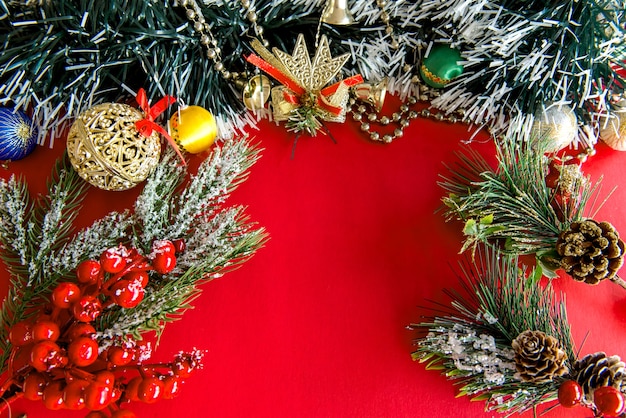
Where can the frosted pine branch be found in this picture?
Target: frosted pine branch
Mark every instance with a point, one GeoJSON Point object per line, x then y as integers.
{"type": "Point", "coordinates": [91, 242]}
{"type": "Point", "coordinates": [14, 207]}
{"type": "Point", "coordinates": [217, 176]}
{"type": "Point", "coordinates": [153, 207]}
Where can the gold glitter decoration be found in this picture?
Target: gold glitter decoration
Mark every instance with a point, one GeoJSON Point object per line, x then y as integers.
{"type": "Point", "coordinates": [106, 149]}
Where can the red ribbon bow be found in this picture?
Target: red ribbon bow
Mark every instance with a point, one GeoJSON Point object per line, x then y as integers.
{"type": "Point", "coordinates": [147, 125]}
{"type": "Point", "coordinates": [297, 91]}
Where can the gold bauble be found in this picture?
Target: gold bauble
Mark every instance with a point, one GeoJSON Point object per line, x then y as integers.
{"type": "Point", "coordinates": [613, 132]}
{"type": "Point", "coordinates": [193, 128]}
{"type": "Point", "coordinates": [107, 150]}
{"type": "Point", "coordinates": [556, 127]}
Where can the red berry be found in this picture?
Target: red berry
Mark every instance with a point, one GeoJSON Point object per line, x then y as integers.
{"type": "Point", "coordinates": [163, 263]}
{"type": "Point", "coordinates": [179, 245]}
{"type": "Point", "coordinates": [113, 260]}
{"type": "Point", "coordinates": [33, 386]}
{"type": "Point", "coordinates": [20, 334]}
{"type": "Point", "coordinates": [97, 396]}
{"type": "Point", "coordinates": [106, 377]}
{"type": "Point", "coordinates": [127, 294]}
{"type": "Point", "coordinates": [88, 271]}
{"type": "Point", "coordinates": [608, 400]}
{"type": "Point", "coordinates": [83, 351]}
{"type": "Point", "coordinates": [64, 294]}
{"type": "Point", "coordinates": [171, 386]}
{"type": "Point", "coordinates": [570, 393]}
{"type": "Point", "coordinates": [74, 394]}
{"type": "Point", "coordinates": [46, 330]}
{"type": "Point", "coordinates": [45, 355]}
{"type": "Point", "coordinates": [163, 246]}
{"type": "Point", "coordinates": [53, 396]}
{"type": "Point", "coordinates": [123, 413]}
{"type": "Point", "coordinates": [142, 351]}
{"type": "Point", "coordinates": [96, 414]}
{"type": "Point", "coordinates": [19, 360]}
{"type": "Point", "coordinates": [80, 329]}
{"type": "Point", "coordinates": [132, 388]}
{"type": "Point", "coordinates": [137, 276]}
{"type": "Point", "coordinates": [150, 389]}
{"type": "Point", "coordinates": [116, 393]}
{"type": "Point", "coordinates": [184, 364]}
{"type": "Point", "coordinates": [87, 309]}
{"type": "Point", "coordinates": [119, 356]}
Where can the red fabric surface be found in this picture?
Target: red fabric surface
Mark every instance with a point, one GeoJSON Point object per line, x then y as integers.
{"type": "Point", "coordinates": [315, 324]}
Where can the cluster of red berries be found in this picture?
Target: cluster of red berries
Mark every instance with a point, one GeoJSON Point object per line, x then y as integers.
{"type": "Point", "coordinates": [57, 358]}
{"type": "Point", "coordinates": [607, 400]}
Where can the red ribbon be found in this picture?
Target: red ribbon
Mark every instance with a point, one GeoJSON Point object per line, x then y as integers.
{"type": "Point", "coordinates": [147, 125]}
{"type": "Point", "coordinates": [297, 91]}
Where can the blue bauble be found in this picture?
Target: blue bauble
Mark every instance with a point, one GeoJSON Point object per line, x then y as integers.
{"type": "Point", "coordinates": [18, 136]}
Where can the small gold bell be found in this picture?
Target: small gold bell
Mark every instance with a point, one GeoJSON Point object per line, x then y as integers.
{"type": "Point", "coordinates": [256, 91]}
{"type": "Point", "coordinates": [336, 12]}
{"type": "Point", "coordinates": [372, 94]}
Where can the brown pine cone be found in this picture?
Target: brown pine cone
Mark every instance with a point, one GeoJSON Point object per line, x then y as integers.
{"type": "Point", "coordinates": [590, 251]}
{"type": "Point", "coordinates": [597, 370]}
{"type": "Point", "coordinates": [538, 357]}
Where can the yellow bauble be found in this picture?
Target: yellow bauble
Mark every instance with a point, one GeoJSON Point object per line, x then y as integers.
{"type": "Point", "coordinates": [193, 128]}
{"type": "Point", "coordinates": [107, 150]}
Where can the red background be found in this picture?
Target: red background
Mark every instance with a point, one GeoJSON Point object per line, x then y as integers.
{"type": "Point", "coordinates": [315, 324]}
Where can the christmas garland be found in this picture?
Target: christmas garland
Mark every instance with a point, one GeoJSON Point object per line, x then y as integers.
{"type": "Point", "coordinates": [80, 303]}
{"type": "Point", "coordinates": [508, 343]}
{"type": "Point", "coordinates": [504, 64]}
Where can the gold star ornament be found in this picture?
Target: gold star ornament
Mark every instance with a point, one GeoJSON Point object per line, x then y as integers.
{"type": "Point", "coordinates": [304, 97]}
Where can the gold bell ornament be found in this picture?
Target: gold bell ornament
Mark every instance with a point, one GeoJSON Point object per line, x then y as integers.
{"type": "Point", "coordinates": [255, 92]}
{"type": "Point", "coordinates": [373, 94]}
{"type": "Point", "coordinates": [193, 128]}
{"type": "Point", "coordinates": [336, 12]}
{"type": "Point", "coordinates": [556, 127]}
{"type": "Point", "coordinates": [613, 130]}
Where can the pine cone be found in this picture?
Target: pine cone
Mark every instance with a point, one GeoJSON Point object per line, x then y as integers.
{"type": "Point", "coordinates": [590, 251]}
{"type": "Point", "coordinates": [597, 370]}
{"type": "Point", "coordinates": [538, 357]}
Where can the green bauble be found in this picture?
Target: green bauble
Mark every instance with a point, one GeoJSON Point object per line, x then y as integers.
{"type": "Point", "coordinates": [441, 66]}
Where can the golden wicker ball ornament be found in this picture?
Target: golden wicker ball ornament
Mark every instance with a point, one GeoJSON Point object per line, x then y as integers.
{"type": "Point", "coordinates": [108, 151]}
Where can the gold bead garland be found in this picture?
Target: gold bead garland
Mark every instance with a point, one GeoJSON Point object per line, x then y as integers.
{"type": "Point", "coordinates": [386, 19]}
{"type": "Point", "coordinates": [403, 117]}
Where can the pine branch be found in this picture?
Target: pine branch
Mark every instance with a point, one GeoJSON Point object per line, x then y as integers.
{"type": "Point", "coordinates": [217, 177]}
{"type": "Point", "coordinates": [51, 221]}
{"type": "Point", "coordinates": [471, 343]}
{"type": "Point", "coordinates": [512, 205]}
{"type": "Point", "coordinates": [153, 207]}
{"type": "Point", "coordinates": [30, 236]}
{"type": "Point", "coordinates": [217, 240]}
{"type": "Point", "coordinates": [168, 299]}
{"type": "Point", "coordinates": [15, 208]}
